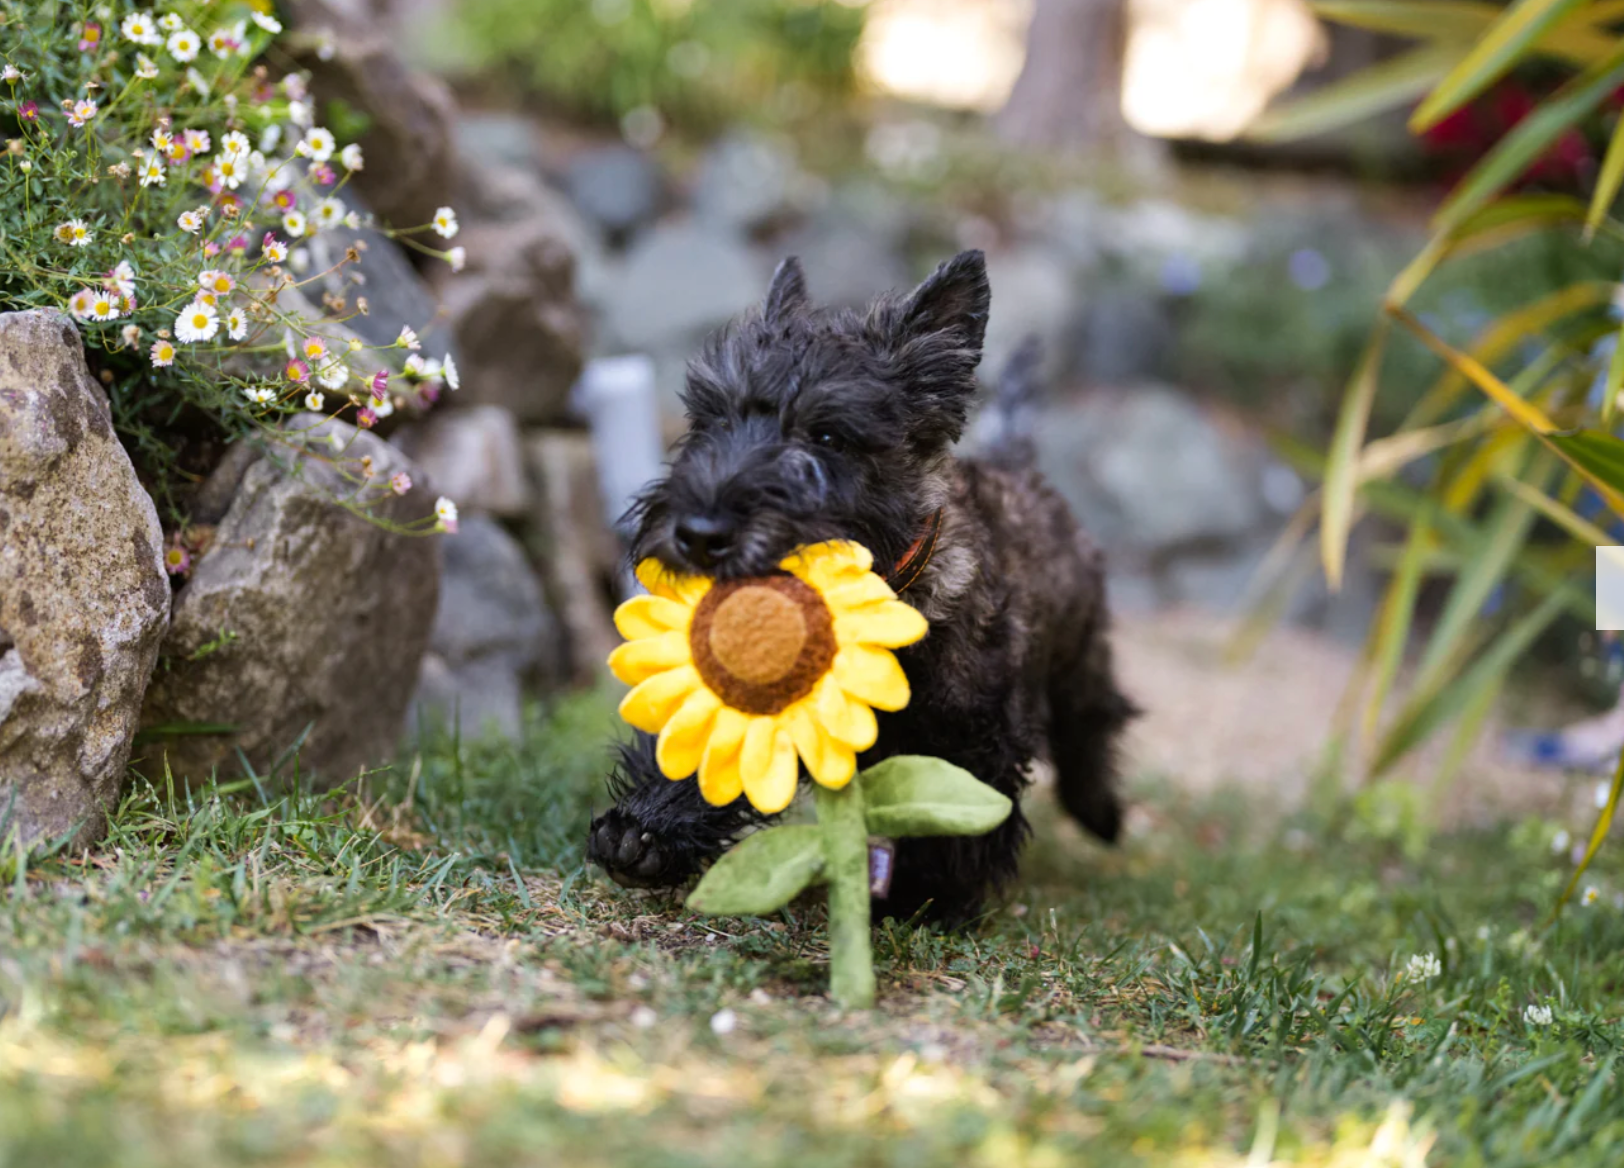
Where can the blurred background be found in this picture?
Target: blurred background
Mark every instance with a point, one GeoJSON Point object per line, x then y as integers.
{"type": "Point", "coordinates": [1203, 286]}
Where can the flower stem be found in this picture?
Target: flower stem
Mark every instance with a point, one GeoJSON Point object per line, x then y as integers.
{"type": "Point", "coordinates": [845, 848]}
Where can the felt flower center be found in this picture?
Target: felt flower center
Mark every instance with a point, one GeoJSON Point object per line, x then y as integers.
{"type": "Point", "coordinates": [762, 644]}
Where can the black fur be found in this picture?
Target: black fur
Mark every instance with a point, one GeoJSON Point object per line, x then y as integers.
{"type": "Point", "coordinates": [809, 424]}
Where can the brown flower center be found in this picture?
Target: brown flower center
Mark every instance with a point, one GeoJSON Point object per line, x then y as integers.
{"type": "Point", "coordinates": [762, 644]}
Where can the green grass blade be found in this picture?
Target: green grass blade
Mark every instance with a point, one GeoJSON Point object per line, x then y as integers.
{"type": "Point", "coordinates": [1599, 456]}
{"type": "Point", "coordinates": [1514, 153]}
{"type": "Point", "coordinates": [1607, 183]}
{"type": "Point", "coordinates": [1397, 615]}
{"type": "Point", "coordinates": [1501, 46]}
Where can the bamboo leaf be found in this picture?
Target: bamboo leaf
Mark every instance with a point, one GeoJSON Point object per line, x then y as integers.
{"type": "Point", "coordinates": [1342, 466]}
{"type": "Point", "coordinates": [762, 874]}
{"type": "Point", "coordinates": [1500, 47]}
{"type": "Point", "coordinates": [1381, 87]}
{"type": "Point", "coordinates": [1557, 512]}
{"type": "Point", "coordinates": [1392, 629]}
{"type": "Point", "coordinates": [1604, 823]}
{"type": "Point", "coordinates": [1438, 709]}
{"type": "Point", "coordinates": [1526, 141]}
{"type": "Point", "coordinates": [1459, 21]}
{"type": "Point", "coordinates": [1598, 456]}
{"type": "Point", "coordinates": [1607, 183]}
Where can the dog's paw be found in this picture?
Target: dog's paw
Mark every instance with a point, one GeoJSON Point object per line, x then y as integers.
{"type": "Point", "coordinates": [632, 855]}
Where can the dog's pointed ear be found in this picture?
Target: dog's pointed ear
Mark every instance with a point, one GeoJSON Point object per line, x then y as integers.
{"type": "Point", "coordinates": [788, 292]}
{"type": "Point", "coordinates": [954, 298]}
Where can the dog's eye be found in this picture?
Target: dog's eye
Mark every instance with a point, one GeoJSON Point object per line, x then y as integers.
{"type": "Point", "coordinates": [827, 439]}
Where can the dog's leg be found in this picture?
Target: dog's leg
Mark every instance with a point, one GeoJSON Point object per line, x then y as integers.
{"type": "Point", "coordinates": [949, 877]}
{"type": "Point", "coordinates": [1087, 713]}
{"type": "Point", "coordinates": [659, 832]}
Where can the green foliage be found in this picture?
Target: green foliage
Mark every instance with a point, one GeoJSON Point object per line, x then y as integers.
{"type": "Point", "coordinates": [696, 62]}
{"type": "Point", "coordinates": [763, 874]}
{"type": "Point", "coordinates": [1511, 471]}
{"type": "Point", "coordinates": [911, 795]}
{"type": "Point", "coordinates": [159, 188]}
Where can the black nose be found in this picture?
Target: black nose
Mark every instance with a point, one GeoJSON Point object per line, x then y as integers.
{"type": "Point", "coordinates": [705, 540]}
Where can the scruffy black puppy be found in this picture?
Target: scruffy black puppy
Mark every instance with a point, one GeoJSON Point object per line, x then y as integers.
{"type": "Point", "coordinates": [809, 424]}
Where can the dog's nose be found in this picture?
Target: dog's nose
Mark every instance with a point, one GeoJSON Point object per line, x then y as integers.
{"type": "Point", "coordinates": [705, 540]}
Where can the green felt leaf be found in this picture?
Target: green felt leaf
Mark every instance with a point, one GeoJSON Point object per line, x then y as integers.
{"type": "Point", "coordinates": [764, 873]}
{"type": "Point", "coordinates": [914, 795]}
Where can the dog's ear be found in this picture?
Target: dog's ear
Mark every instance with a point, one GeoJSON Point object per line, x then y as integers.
{"type": "Point", "coordinates": [788, 292]}
{"type": "Point", "coordinates": [954, 298]}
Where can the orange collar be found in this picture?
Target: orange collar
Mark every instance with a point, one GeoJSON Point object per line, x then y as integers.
{"type": "Point", "coordinates": [913, 562]}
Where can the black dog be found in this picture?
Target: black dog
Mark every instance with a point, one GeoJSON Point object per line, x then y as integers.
{"type": "Point", "coordinates": [810, 424]}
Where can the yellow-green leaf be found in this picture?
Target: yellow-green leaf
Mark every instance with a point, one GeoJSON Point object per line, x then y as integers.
{"type": "Point", "coordinates": [912, 795]}
{"type": "Point", "coordinates": [1607, 183]}
{"type": "Point", "coordinates": [1342, 466]}
{"type": "Point", "coordinates": [762, 874]}
{"type": "Point", "coordinates": [1604, 823]}
{"type": "Point", "coordinates": [1381, 87]}
{"type": "Point", "coordinates": [1505, 42]}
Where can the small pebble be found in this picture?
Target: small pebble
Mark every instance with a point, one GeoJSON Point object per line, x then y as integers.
{"type": "Point", "coordinates": [723, 1022]}
{"type": "Point", "coordinates": [760, 997]}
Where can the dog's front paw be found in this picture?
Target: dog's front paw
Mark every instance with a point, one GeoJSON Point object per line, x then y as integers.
{"type": "Point", "coordinates": [631, 854]}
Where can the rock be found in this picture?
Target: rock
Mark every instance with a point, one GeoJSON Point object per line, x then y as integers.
{"type": "Point", "coordinates": [410, 164]}
{"type": "Point", "coordinates": [1126, 337]}
{"type": "Point", "coordinates": [678, 282]}
{"type": "Point", "coordinates": [847, 263]}
{"type": "Point", "coordinates": [520, 332]}
{"type": "Point", "coordinates": [497, 138]}
{"type": "Point", "coordinates": [1149, 472]}
{"type": "Point", "coordinates": [473, 456]}
{"type": "Point", "coordinates": [301, 616]}
{"type": "Point", "coordinates": [746, 183]}
{"type": "Point", "coordinates": [395, 293]}
{"type": "Point", "coordinates": [84, 600]}
{"type": "Point", "coordinates": [616, 187]}
{"type": "Point", "coordinates": [491, 630]}
{"type": "Point", "coordinates": [1032, 294]}
{"type": "Point", "coordinates": [581, 557]}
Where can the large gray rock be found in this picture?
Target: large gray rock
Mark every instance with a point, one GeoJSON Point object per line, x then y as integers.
{"type": "Point", "coordinates": [520, 331]}
{"type": "Point", "coordinates": [411, 167]}
{"type": "Point", "coordinates": [1033, 294]}
{"type": "Point", "coordinates": [1149, 472]}
{"type": "Point", "coordinates": [492, 632]}
{"type": "Point", "coordinates": [747, 182]}
{"type": "Point", "coordinates": [616, 187]}
{"type": "Point", "coordinates": [473, 456]}
{"type": "Point", "coordinates": [678, 282]}
{"type": "Point", "coordinates": [580, 556]}
{"type": "Point", "coordinates": [83, 596]}
{"type": "Point", "coordinates": [300, 615]}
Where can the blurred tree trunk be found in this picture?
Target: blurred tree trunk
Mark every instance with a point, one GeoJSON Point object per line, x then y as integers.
{"type": "Point", "coordinates": [1069, 93]}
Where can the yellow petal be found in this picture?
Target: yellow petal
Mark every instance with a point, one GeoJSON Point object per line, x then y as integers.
{"type": "Point", "coordinates": [637, 661]}
{"type": "Point", "coordinates": [892, 624]}
{"type": "Point", "coordinates": [682, 742]}
{"type": "Point", "coordinates": [771, 788]}
{"type": "Point", "coordinates": [866, 589]}
{"type": "Point", "coordinates": [649, 616]}
{"type": "Point", "coordinates": [828, 565]}
{"type": "Point", "coordinates": [829, 762]}
{"type": "Point", "coordinates": [756, 750]}
{"type": "Point", "coordinates": [849, 722]}
{"type": "Point", "coordinates": [669, 585]}
{"type": "Point", "coordinates": [872, 675]}
{"type": "Point", "coordinates": [719, 778]}
{"type": "Point", "coordinates": [651, 704]}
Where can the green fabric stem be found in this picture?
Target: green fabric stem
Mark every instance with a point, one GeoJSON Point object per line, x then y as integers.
{"type": "Point", "coordinates": [845, 850]}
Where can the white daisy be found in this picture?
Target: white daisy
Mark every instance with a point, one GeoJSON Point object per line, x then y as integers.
{"type": "Point", "coordinates": [169, 22]}
{"type": "Point", "coordinates": [408, 338]}
{"type": "Point", "coordinates": [145, 67]}
{"type": "Point", "coordinates": [274, 250]}
{"type": "Point", "coordinates": [191, 222]}
{"type": "Point", "coordinates": [445, 511]}
{"type": "Point", "coordinates": [74, 233]}
{"type": "Point", "coordinates": [329, 213]}
{"type": "Point", "coordinates": [184, 45]}
{"type": "Point", "coordinates": [269, 140]}
{"type": "Point", "coordinates": [216, 282]}
{"type": "Point", "coordinates": [198, 322]}
{"type": "Point", "coordinates": [262, 395]}
{"type": "Point", "coordinates": [267, 22]}
{"type": "Point", "coordinates": [236, 324]}
{"type": "Point", "coordinates": [140, 28]}
{"type": "Point", "coordinates": [334, 374]}
{"type": "Point", "coordinates": [314, 402]}
{"type": "Point", "coordinates": [294, 223]}
{"type": "Point", "coordinates": [122, 278]}
{"type": "Point", "coordinates": [152, 173]}
{"type": "Point", "coordinates": [445, 222]}
{"type": "Point", "coordinates": [229, 171]}
{"type": "Point", "coordinates": [350, 156]}
{"type": "Point", "coordinates": [452, 377]}
{"type": "Point", "coordinates": [104, 306]}
{"type": "Point", "coordinates": [236, 143]}
{"type": "Point", "coordinates": [80, 303]}
{"type": "Point", "coordinates": [299, 113]}
{"type": "Point", "coordinates": [458, 258]}
{"type": "Point", "coordinates": [318, 145]}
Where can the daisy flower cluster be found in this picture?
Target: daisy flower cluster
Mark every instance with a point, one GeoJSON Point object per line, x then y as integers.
{"type": "Point", "coordinates": [164, 188]}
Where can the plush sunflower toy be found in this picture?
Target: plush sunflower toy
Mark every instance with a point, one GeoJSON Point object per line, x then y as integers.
{"type": "Point", "coordinates": [744, 681]}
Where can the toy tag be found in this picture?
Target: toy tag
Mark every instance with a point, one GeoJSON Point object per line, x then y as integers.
{"type": "Point", "coordinates": [882, 854]}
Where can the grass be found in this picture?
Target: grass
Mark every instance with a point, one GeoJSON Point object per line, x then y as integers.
{"type": "Point", "coordinates": [420, 972]}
